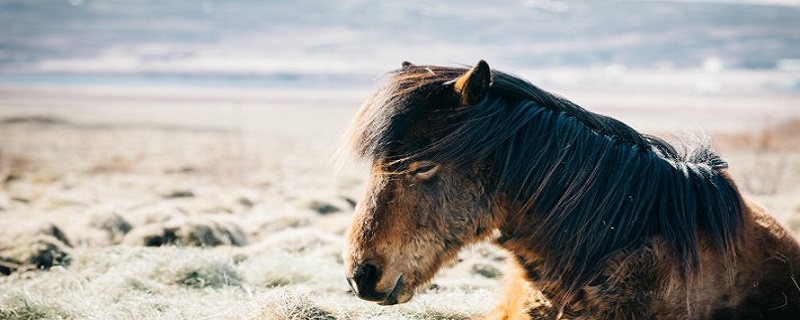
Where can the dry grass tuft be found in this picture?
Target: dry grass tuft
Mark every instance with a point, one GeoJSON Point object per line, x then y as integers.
{"type": "Point", "coordinates": [114, 226]}
{"type": "Point", "coordinates": [301, 240]}
{"type": "Point", "coordinates": [193, 232]}
{"type": "Point", "coordinates": [290, 305]}
{"type": "Point", "coordinates": [38, 252]}
{"type": "Point", "coordinates": [277, 268]}
{"type": "Point", "coordinates": [213, 272]}
{"type": "Point", "coordinates": [31, 246]}
{"type": "Point", "coordinates": [24, 306]}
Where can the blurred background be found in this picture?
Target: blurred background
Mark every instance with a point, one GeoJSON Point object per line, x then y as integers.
{"type": "Point", "coordinates": [327, 44]}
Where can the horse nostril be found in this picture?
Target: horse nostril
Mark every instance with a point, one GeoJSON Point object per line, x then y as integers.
{"type": "Point", "coordinates": [366, 274]}
{"type": "Point", "coordinates": [365, 277]}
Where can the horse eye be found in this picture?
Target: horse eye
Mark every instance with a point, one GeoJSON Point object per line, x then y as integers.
{"type": "Point", "coordinates": [423, 169]}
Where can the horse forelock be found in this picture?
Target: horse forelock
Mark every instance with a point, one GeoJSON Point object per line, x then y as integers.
{"type": "Point", "coordinates": [386, 116]}
{"type": "Point", "coordinates": [594, 185]}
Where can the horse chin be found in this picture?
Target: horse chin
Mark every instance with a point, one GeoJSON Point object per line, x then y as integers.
{"type": "Point", "coordinates": [401, 293]}
{"type": "Point", "coordinates": [406, 284]}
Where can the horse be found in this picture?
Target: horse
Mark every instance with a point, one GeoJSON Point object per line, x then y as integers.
{"type": "Point", "coordinates": [599, 220]}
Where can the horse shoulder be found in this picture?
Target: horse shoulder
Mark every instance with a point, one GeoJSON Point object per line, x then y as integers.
{"type": "Point", "coordinates": [635, 284]}
{"type": "Point", "coordinates": [769, 268]}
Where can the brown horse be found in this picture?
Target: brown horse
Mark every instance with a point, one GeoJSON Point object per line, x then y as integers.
{"type": "Point", "coordinates": [602, 222]}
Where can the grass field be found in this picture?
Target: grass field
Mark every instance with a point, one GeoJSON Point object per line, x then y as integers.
{"type": "Point", "coordinates": [225, 204]}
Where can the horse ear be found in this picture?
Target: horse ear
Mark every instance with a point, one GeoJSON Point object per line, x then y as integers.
{"type": "Point", "coordinates": [473, 85]}
{"type": "Point", "coordinates": [407, 65]}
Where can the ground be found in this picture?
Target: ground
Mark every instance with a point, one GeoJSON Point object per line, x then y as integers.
{"type": "Point", "coordinates": [138, 202]}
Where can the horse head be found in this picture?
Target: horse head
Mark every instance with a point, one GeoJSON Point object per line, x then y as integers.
{"type": "Point", "coordinates": [418, 210]}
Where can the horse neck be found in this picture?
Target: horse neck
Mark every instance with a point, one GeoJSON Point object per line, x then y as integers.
{"type": "Point", "coordinates": [576, 196]}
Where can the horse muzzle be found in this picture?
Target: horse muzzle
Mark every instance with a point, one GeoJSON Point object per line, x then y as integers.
{"type": "Point", "coordinates": [365, 281]}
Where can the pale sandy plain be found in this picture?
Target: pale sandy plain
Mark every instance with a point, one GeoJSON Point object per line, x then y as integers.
{"type": "Point", "coordinates": [244, 208]}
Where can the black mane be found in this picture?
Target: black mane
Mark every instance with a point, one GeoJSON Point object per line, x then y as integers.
{"type": "Point", "coordinates": [596, 185]}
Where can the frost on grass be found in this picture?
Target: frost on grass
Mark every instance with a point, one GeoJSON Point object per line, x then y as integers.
{"type": "Point", "coordinates": [269, 269]}
{"type": "Point", "coordinates": [37, 252]}
{"type": "Point", "coordinates": [211, 271]}
{"type": "Point", "coordinates": [114, 225]}
{"type": "Point", "coordinates": [291, 305]}
{"type": "Point", "coordinates": [24, 306]}
{"type": "Point", "coordinates": [302, 240]}
{"type": "Point", "coordinates": [276, 270]}
{"type": "Point", "coordinates": [259, 281]}
{"type": "Point", "coordinates": [197, 232]}
{"type": "Point", "coordinates": [130, 283]}
{"type": "Point", "coordinates": [27, 246]}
